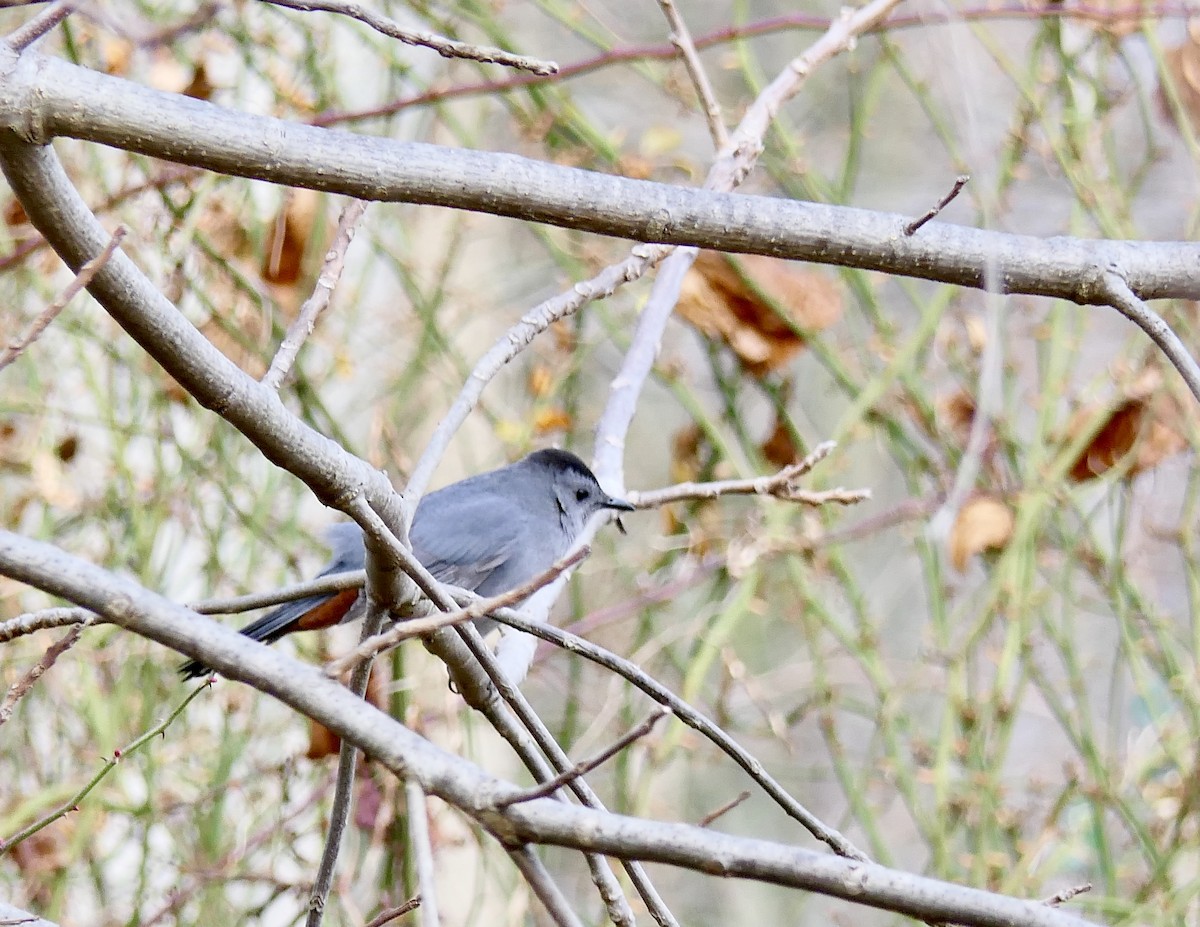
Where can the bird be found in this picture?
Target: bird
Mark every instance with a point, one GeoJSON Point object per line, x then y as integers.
{"type": "Point", "coordinates": [488, 534]}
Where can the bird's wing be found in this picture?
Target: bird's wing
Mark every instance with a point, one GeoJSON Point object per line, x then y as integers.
{"type": "Point", "coordinates": [474, 542]}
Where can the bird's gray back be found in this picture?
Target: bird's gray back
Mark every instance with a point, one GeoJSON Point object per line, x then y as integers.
{"type": "Point", "coordinates": [488, 533]}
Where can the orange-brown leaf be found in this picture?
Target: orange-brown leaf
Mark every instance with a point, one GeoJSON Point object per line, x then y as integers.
{"type": "Point", "coordinates": [290, 234]}
{"type": "Point", "coordinates": [551, 419]}
{"type": "Point", "coordinates": [984, 523]}
{"type": "Point", "coordinates": [323, 742]}
{"type": "Point", "coordinates": [780, 449]}
{"type": "Point", "coordinates": [758, 306]}
{"type": "Point", "coordinates": [1147, 427]}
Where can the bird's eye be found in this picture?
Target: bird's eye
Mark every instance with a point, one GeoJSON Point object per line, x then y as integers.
{"type": "Point", "coordinates": [581, 494]}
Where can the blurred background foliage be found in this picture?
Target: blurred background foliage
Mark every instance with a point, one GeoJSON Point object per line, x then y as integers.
{"type": "Point", "coordinates": [1008, 700]}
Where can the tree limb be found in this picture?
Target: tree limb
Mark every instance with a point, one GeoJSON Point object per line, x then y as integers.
{"type": "Point", "coordinates": [43, 97]}
{"type": "Point", "coordinates": [474, 792]}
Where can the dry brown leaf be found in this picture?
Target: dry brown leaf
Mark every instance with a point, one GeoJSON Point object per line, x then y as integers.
{"type": "Point", "coordinates": [1145, 427]}
{"type": "Point", "coordinates": [67, 448]}
{"type": "Point", "coordinates": [780, 449]}
{"type": "Point", "coordinates": [323, 742]}
{"type": "Point", "coordinates": [1183, 64]}
{"type": "Point", "coordinates": [955, 413]}
{"type": "Point", "coordinates": [199, 88]}
{"type": "Point", "coordinates": [289, 238]}
{"type": "Point", "coordinates": [742, 308]}
{"type": "Point", "coordinates": [685, 454]}
{"type": "Point", "coordinates": [14, 213]}
{"type": "Point", "coordinates": [984, 523]}
{"type": "Point", "coordinates": [48, 850]}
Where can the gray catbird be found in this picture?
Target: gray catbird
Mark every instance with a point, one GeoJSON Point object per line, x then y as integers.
{"type": "Point", "coordinates": [488, 533]}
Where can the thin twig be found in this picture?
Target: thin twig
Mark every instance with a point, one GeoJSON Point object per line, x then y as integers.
{"type": "Point", "coordinates": [385, 917]}
{"type": "Point", "coordinates": [334, 582]}
{"type": "Point", "coordinates": [544, 886]}
{"type": "Point", "coordinates": [339, 814]}
{"type": "Point", "coordinates": [1116, 293]}
{"type": "Point", "coordinates": [960, 182]}
{"type": "Point", "coordinates": [72, 803]}
{"type": "Point", "coordinates": [733, 163]}
{"type": "Point", "coordinates": [461, 783]}
{"type": "Point", "coordinates": [642, 258]}
{"type": "Point", "coordinates": [89, 270]}
{"type": "Point", "coordinates": [418, 627]}
{"type": "Point", "coordinates": [19, 689]}
{"type": "Point", "coordinates": [447, 48]}
{"type": "Point", "coordinates": [59, 616]}
{"type": "Point", "coordinates": [681, 38]}
{"type": "Point", "coordinates": [780, 485]}
{"type": "Point", "coordinates": [665, 51]}
{"type": "Point", "coordinates": [449, 646]}
{"type": "Point", "coordinates": [641, 680]}
{"type": "Point", "coordinates": [724, 809]}
{"type": "Point", "coordinates": [44, 620]}
{"type": "Point", "coordinates": [21, 38]}
{"type": "Point", "coordinates": [168, 175]}
{"type": "Point", "coordinates": [318, 302]}
{"type": "Point", "coordinates": [422, 849]}
{"type": "Point", "coordinates": [1066, 894]}
{"type": "Point", "coordinates": [988, 394]}
{"type": "Point", "coordinates": [582, 768]}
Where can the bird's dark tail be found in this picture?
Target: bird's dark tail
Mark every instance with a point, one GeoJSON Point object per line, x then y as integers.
{"type": "Point", "coordinates": [307, 614]}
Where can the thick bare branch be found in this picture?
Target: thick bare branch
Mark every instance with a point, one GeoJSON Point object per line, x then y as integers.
{"type": "Point", "coordinates": [42, 97]}
{"type": "Point", "coordinates": [474, 792]}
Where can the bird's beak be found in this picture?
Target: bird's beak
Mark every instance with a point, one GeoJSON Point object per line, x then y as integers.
{"type": "Point", "coordinates": [612, 502]}
{"type": "Point", "coordinates": [620, 505]}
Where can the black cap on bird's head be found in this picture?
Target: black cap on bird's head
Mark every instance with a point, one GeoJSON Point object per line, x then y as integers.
{"type": "Point", "coordinates": [576, 487]}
